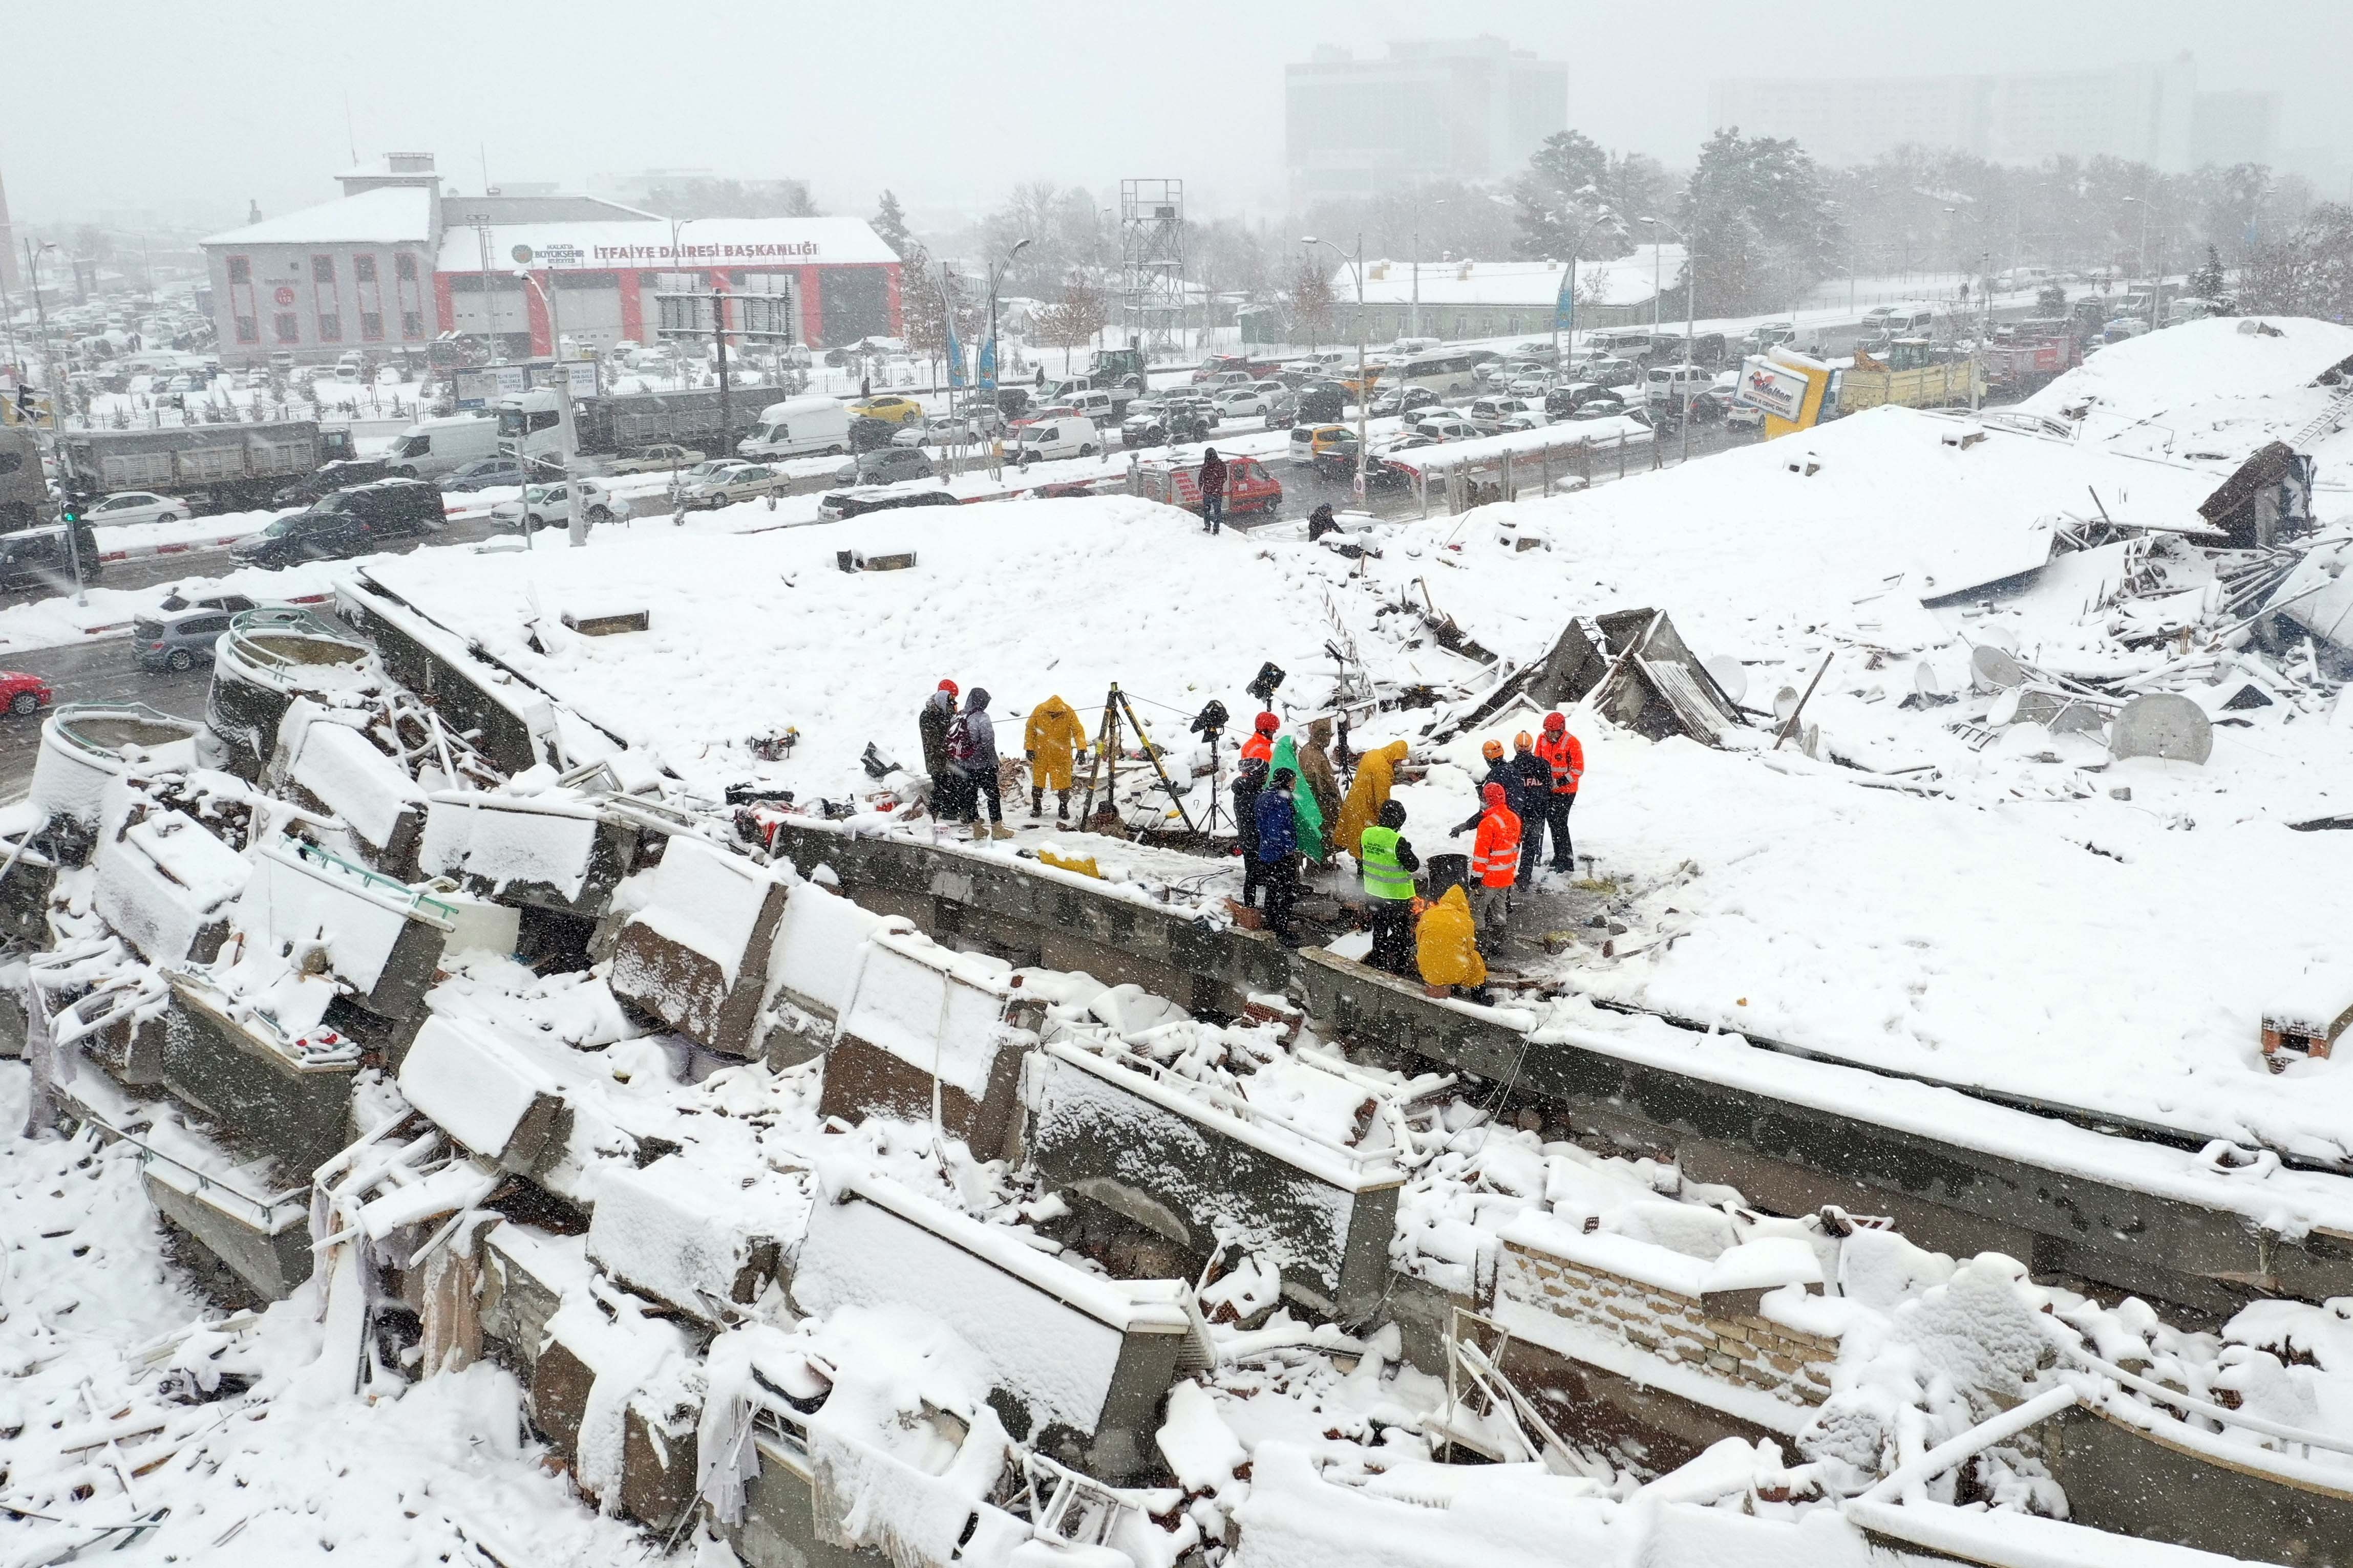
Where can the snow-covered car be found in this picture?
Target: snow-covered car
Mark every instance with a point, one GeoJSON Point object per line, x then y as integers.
{"type": "Point", "coordinates": [1530, 419]}
{"type": "Point", "coordinates": [738, 481]}
{"type": "Point", "coordinates": [138, 506]}
{"type": "Point", "coordinates": [1406, 400]}
{"type": "Point", "coordinates": [1531, 383]}
{"type": "Point", "coordinates": [943, 430]}
{"type": "Point", "coordinates": [1488, 413]}
{"type": "Point", "coordinates": [1250, 402]}
{"type": "Point", "coordinates": [884, 465]}
{"type": "Point", "coordinates": [706, 470]}
{"type": "Point", "coordinates": [545, 504]}
{"type": "Point", "coordinates": [1444, 425]}
{"type": "Point", "coordinates": [654, 459]}
{"type": "Point", "coordinates": [856, 503]}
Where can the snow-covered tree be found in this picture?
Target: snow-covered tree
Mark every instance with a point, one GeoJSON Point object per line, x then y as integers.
{"type": "Point", "coordinates": [2208, 282]}
{"type": "Point", "coordinates": [1756, 211]}
{"type": "Point", "coordinates": [889, 224]}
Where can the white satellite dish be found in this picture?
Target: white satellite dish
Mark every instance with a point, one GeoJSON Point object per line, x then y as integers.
{"type": "Point", "coordinates": [1994, 635]}
{"type": "Point", "coordinates": [2162, 724]}
{"type": "Point", "coordinates": [1995, 670]}
{"type": "Point", "coordinates": [1924, 679]}
{"type": "Point", "coordinates": [2004, 710]}
{"type": "Point", "coordinates": [1785, 703]}
{"type": "Point", "coordinates": [1729, 675]}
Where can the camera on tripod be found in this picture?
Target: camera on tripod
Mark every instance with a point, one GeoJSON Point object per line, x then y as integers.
{"type": "Point", "coordinates": [1210, 722]}
{"type": "Point", "coordinates": [1263, 684]}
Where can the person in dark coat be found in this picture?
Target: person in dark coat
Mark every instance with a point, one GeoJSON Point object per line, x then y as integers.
{"type": "Point", "coordinates": [1535, 775]}
{"type": "Point", "coordinates": [972, 752]}
{"type": "Point", "coordinates": [932, 723]}
{"type": "Point", "coordinates": [1248, 782]}
{"type": "Point", "coordinates": [1213, 490]}
{"type": "Point", "coordinates": [1278, 852]}
{"type": "Point", "coordinates": [1499, 771]}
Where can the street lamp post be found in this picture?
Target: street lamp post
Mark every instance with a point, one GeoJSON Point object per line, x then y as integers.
{"type": "Point", "coordinates": [1690, 308]}
{"type": "Point", "coordinates": [57, 409]}
{"type": "Point", "coordinates": [575, 527]}
{"type": "Point", "coordinates": [1364, 390]}
{"type": "Point", "coordinates": [2156, 289]}
{"type": "Point", "coordinates": [996, 276]}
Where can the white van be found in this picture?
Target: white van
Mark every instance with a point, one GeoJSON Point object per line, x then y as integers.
{"type": "Point", "coordinates": [432, 447]}
{"type": "Point", "coordinates": [800, 428]}
{"type": "Point", "coordinates": [1068, 436]}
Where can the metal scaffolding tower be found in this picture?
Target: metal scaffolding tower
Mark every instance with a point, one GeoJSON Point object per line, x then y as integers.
{"type": "Point", "coordinates": [1151, 260]}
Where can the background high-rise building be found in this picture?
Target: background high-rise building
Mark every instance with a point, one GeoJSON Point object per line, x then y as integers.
{"type": "Point", "coordinates": [2148, 114]}
{"type": "Point", "coordinates": [1469, 109]}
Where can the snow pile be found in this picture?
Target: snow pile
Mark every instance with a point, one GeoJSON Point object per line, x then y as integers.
{"type": "Point", "coordinates": [2204, 391]}
{"type": "Point", "coordinates": [164, 883]}
{"type": "Point", "coordinates": [510, 840]}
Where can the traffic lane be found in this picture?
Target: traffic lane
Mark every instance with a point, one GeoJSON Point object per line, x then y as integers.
{"type": "Point", "coordinates": [91, 672]}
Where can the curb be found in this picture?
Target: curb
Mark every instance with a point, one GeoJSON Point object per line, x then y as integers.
{"type": "Point", "coordinates": [140, 551]}
{"type": "Point", "coordinates": [113, 628]}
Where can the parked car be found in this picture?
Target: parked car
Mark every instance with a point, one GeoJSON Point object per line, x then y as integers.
{"type": "Point", "coordinates": [1067, 436]}
{"type": "Point", "coordinates": [181, 632]}
{"type": "Point", "coordinates": [330, 478]}
{"type": "Point", "coordinates": [1250, 400]}
{"type": "Point", "coordinates": [1402, 400]}
{"type": "Point", "coordinates": [1173, 421]}
{"type": "Point", "coordinates": [1487, 414]}
{"type": "Point", "coordinates": [654, 459]}
{"type": "Point", "coordinates": [545, 504]}
{"type": "Point", "coordinates": [890, 408]}
{"type": "Point", "coordinates": [870, 434]}
{"type": "Point", "coordinates": [23, 694]}
{"type": "Point", "coordinates": [1532, 417]}
{"type": "Point", "coordinates": [1598, 408]}
{"type": "Point", "coordinates": [349, 522]}
{"type": "Point", "coordinates": [1339, 465]}
{"type": "Point", "coordinates": [1444, 425]}
{"type": "Point", "coordinates": [735, 482]}
{"type": "Point", "coordinates": [885, 465]}
{"type": "Point", "coordinates": [138, 506]}
{"type": "Point", "coordinates": [941, 430]}
{"type": "Point", "coordinates": [1310, 441]}
{"type": "Point", "coordinates": [856, 503]}
{"type": "Point", "coordinates": [497, 474]}
{"type": "Point", "coordinates": [41, 558]}
{"type": "Point", "coordinates": [1323, 402]}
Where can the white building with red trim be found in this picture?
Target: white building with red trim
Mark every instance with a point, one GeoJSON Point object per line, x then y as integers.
{"type": "Point", "coordinates": [396, 264]}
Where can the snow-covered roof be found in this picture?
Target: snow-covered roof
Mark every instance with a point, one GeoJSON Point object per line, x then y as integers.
{"type": "Point", "coordinates": [1535, 284]}
{"type": "Point", "coordinates": [390, 215]}
{"type": "Point", "coordinates": [703, 242]}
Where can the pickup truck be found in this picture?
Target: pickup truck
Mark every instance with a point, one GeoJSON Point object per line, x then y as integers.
{"type": "Point", "coordinates": [1250, 488]}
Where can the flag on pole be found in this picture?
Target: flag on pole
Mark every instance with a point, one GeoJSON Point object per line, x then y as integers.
{"type": "Point", "coordinates": [988, 366]}
{"type": "Point", "coordinates": [955, 359]}
{"type": "Point", "coordinates": [1563, 305]}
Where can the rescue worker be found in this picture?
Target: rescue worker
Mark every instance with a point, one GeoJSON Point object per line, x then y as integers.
{"type": "Point", "coordinates": [1261, 744]}
{"type": "Point", "coordinates": [1213, 490]}
{"type": "Point", "coordinates": [1278, 851]}
{"type": "Point", "coordinates": [1390, 863]}
{"type": "Point", "coordinates": [1316, 772]}
{"type": "Point", "coordinates": [1536, 783]}
{"type": "Point", "coordinates": [1249, 780]}
{"type": "Point", "coordinates": [1564, 757]}
{"type": "Point", "coordinates": [932, 723]}
{"type": "Point", "coordinates": [1050, 740]}
{"type": "Point", "coordinates": [1446, 945]}
{"type": "Point", "coordinates": [1367, 793]}
{"type": "Point", "coordinates": [1499, 773]}
{"type": "Point", "coordinates": [972, 753]}
{"type": "Point", "coordinates": [1494, 862]}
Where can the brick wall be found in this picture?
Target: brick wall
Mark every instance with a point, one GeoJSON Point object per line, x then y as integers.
{"type": "Point", "coordinates": [1738, 1346]}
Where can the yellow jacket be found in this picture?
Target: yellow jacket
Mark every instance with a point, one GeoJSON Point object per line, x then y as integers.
{"type": "Point", "coordinates": [1446, 943]}
{"type": "Point", "coordinates": [1052, 735]}
{"type": "Point", "coordinates": [1368, 794]}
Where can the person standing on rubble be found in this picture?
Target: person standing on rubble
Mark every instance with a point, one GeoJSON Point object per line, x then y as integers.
{"type": "Point", "coordinates": [1499, 773]}
{"type": "Point", "coordinates": [1564, 757]}
{"type": "Point", "coordinates": [1367, 793]}
{"type": "Point", "coordinates": [1249, 781]}
{"type": "Point", "coordinates": [1260, 747]}
{"type": "Point", "coordinates": [1213, 490]}
{"type": "Point", "coordinates": [1390, 863]}
{"type": "Point", "coordinates": [1535, 783]}
{"type": "Point", "coordinates": [932, 723]}
{"type": "Point", "coordinates": [1278, 853]}
{"type": "Point", "coordinates": [1315, 771]}
{"type": "Point", "coordinates": [1495, 863]}
{"type": "Point", "coordinates": [1051, 740]}
{"type": "Point", "coordinates": [972, 752]}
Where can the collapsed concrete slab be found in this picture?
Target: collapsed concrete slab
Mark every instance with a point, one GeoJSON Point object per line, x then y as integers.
{"type": "Point", "coordinates": [695, 952]}
{"type": "Point", "coordinates": [327, 764]}
{"type": "Point", "coordinates": [483, 1093]}
{"type": "Point", "coordinates": [704, 1242]}
{"type": "Point", "coordinates": [164, 884]}
{"type": "Point", "coordinates": [513, 724]}
{"type": "Point", "coordinates": [1106, 1125]}
{"type": "Point", "coordinates": [1080, 1363]}
{"type": "Point", "coordinates": [281, 1093]}
{"type": "Point", "coordinates": [526, 850]}
{"type": "Point", "coordinates": [262, 664]}
{"type": "Point", "coordinates": [381, 938]}
{"type": "Point", "coordinates": [924, 1025]}
{"type": "Point", "coordinates": [87, 745]}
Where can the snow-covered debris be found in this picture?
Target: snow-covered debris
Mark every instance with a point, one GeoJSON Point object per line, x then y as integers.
{"type": "Point", "coordinates": [378, 936]}
{"type": "Point", "coordinates": [694, 953]}
{"type": "Point", "coordinates": [481, 1091]}
{"type": "Point", "coordinates": [331, 764]}
{"type": "Point", "coordinates": [703, 1239]}
{"type": "Point", "coordinates": [164, 883]}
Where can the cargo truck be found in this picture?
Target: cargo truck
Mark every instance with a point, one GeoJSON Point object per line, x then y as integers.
{"type": "Point", "coordinates": [1915, 375]}
{"type": "Point", "coordinates": [531, 421]}
{"type": "Point", "coordinates": [228, 468]}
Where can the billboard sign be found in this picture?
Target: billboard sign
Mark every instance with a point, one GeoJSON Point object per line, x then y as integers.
{"type": "Point", "coordinates": [482, 386]}
{"type": "Point", "coordinates": [1775, 388]}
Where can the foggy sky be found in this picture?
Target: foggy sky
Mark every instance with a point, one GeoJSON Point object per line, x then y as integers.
{"type": "Point", "coordinates": [128, 104]}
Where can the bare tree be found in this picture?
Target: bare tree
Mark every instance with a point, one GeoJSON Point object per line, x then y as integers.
{"type": "Point", "coordinates": [1070, 321]}
{"type": "Point", "coordinates": [1311, 301]}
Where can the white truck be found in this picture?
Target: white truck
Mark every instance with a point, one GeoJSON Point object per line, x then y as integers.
{"type": "Point", "coordinates": [432, 447]}
{"type": "Point", "coordinates": [800, 428]}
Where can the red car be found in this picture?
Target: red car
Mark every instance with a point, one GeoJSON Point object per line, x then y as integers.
{"type": "Point", "coordinates": [1248, 487]}
{"type": "Point", "coordinates": [21, 693]}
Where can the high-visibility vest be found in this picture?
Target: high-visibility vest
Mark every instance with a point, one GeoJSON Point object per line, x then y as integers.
{"type": "Point", "coordinates": [1566, 757]}
{"type": "Point", "coordinates": [1384, 878]}
{"type": "Point", "coordinates": [1496, 853]}
{"type": "Point", "coordinates": [1261, 746]}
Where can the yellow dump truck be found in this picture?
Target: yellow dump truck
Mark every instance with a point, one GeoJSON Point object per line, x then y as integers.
{"type": "Point", "coordinates": [1915, 374]}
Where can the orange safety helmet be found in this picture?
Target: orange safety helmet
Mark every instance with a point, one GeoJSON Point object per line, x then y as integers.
{"type": "Point", "coordinates": [1493, 751]}
{"type": "Point", "coordinates": [1522, 741]}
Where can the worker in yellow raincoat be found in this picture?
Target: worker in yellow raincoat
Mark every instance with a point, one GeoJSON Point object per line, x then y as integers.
{"type": "Point", "coordinates": [1051, 740]}
{"type": "Point", "coordinates": [1376, 775]}
{"type": "Point", "coordinates": [1446, 943]}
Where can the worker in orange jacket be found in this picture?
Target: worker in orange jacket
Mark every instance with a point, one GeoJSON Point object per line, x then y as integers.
{"type": "Point", "coordinates": [1495, 864]}
{"type": "Point", "coordinates": [1260, 747]}
{"type": "Point", "coordinates": [1561, 752]}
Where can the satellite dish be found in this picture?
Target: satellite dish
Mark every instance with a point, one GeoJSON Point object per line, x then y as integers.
{"type": "Point", "coordinates": [1994, 635]}
{"type": "Point", "coordinates": [1729, 675]}
{"type": "Point", "coordinates": [1785, 703]}
{"type": "Point", "coordinates": [2162, 724]}
{"type": "Point", "coordinates": [1995, 670]}
{"type": "Point", "coordinates": [2077, 719]}
{"type": "Point", "coordinates": [2004, 710]}
{"type": "Point", "coordinates": [1812, 744]}
{"type": "Point", "coordinates": [1924, 679]}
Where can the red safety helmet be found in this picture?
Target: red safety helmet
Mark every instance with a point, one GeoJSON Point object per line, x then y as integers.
{"type": "Point", "coordinates": [1555, 722]}
{"type": "Point", "coordinates": [1492, 795]}
{"type": "Point", "coordinates": [949, 687]}
{"type": "Point", "coordinates": [1268, 725]}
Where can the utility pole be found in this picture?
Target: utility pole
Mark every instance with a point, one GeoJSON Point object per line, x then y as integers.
{"type": "Point", "coordinates": [1363, 392]}
{"type": "Point", "coordinates": [719, 339]}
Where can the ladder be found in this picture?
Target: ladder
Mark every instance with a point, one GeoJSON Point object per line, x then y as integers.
{"type": "Point", "coordinates": [2326, 421]}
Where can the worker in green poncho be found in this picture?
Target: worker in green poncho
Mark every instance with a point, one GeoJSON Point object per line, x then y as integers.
{"type": "Point", "coordinates": [1309, 815]}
